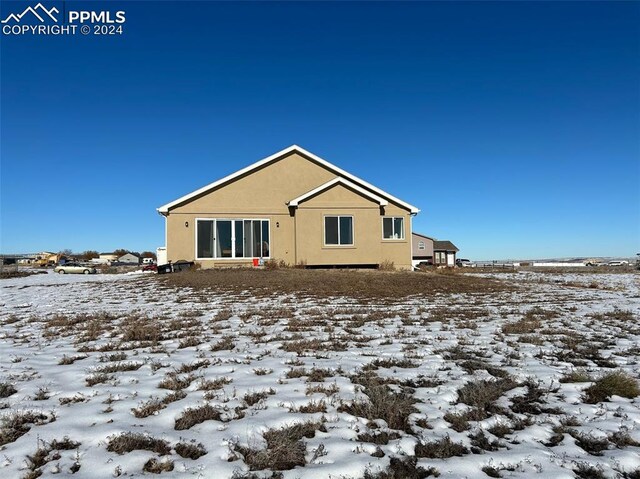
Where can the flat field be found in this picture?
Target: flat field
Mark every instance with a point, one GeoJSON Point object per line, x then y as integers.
{"type": "Point", "coordinates": [320, 374]}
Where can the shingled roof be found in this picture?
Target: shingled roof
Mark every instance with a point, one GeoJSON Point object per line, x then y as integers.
{"type": "Point", "coordinates": [444, 246]}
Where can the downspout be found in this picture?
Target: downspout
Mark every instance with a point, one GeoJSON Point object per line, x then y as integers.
{"type": "Point", "coordinates": [295, 238]}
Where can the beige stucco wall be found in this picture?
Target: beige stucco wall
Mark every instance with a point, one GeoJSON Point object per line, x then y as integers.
{"type": "Point", "coordinates": [296, 238]}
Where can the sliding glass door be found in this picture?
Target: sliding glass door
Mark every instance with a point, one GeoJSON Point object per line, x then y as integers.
{"type": "Point", "coordinates": [237, 238]}
{"type": "Point", "coordinates": [223, 239]}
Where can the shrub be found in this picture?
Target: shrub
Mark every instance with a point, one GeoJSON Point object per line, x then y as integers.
{"type": "Point", "coordinates": [285, 448]}
{"type": "Point", "coordinates": [441, 449]}
{"type": "Point", "coordinates": [131, 441]}
{"type": "Point", "coordinates": [392, 407]}
{"type": "Point", "coordinates": [403, 468]}
{"type": "Point", "coordinates": [585, 470]}
{"type": "Point", "coordinates": [193, 416]}
{"type": "Point", "coordinates": [617, 382]}
{"type": "Point", "coordinates": [387, 265]}
{"type": "Point", "coordinates": [378, 437]}
{"type": "Point", "coordinates": [482, 394]}
{"type": "Point", "coordinates": [17, 424]}
{"type": "Point", "coordinates": [255, 397]}
{"type": "Point", "coordinates": [7, 389]}
{"type": "Point", "coordinates": [576, 376]}
{"type": "Point", "coordinates": [155, 466]}
{"type": "Point", "coordinates": [190, 450]}
{"type": "Point", "coordinates": [155, 404]}
{"type": "Point", "coordinates": [593, 445]}
{"type": "Point", "coordinates": [480, 442]}
{"type": "Point", "coordinates": [225, 344]}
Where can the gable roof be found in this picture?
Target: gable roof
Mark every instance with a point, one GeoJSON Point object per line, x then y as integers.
{"type": "Point", "coordinates": [422, 236]}
{"type": "Point", "coordinates": [164, 209]}
{"type": "Point", "coordinates": [335, 181]}
{"type": "Point", "coordinates": [444, 246]}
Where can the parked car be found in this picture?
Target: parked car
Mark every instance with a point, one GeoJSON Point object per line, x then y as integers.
{"type": "Point", "coordinates": [150, 267]}
{"type": "Point", "coordinates": [464, 263]}
{"type": "Point", "coordinates": [69, 268]}
{"type": "Point", "coordinates": [618, 263]}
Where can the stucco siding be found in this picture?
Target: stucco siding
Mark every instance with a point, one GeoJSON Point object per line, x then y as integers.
{"type": "Point", "coordinates": [296, 235]}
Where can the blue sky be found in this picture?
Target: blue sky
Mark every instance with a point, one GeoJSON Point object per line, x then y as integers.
{"type": "Point", "coordinates": [514, 126]}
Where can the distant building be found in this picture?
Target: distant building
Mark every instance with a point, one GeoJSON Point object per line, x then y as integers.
{"type": "Point", "coordinates": [427, 250]}
{"type": "Point", "coordinates": [129, 258]}
{"type": "Point", "coordinates": [108, 257]}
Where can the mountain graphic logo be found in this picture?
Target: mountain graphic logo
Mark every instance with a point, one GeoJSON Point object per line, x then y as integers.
{"type": "Point", "coordinates": [39, 11]}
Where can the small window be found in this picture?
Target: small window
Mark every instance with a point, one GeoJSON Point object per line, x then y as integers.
{"type": "Point", "coordinates": [393, 227]}
{"type": "Point", "coordinates": [420, 244]}
{"type": "Point", "coordinates": [338, 230]}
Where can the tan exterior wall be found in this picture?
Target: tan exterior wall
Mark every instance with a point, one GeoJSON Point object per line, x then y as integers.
{"type": "Point", "coordinates": [296, 238]}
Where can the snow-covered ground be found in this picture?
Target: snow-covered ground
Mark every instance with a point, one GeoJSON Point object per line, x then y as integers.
{"type": "Point", "coordinates": [501, 375]}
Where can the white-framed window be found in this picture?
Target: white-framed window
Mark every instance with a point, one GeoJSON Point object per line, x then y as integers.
{"type": "Point", "coordinates": [420, 244]}
{"type": "Point", "coordinates": [222, 238]}
{"type": "Point", "coordinates": [393, 227]}
{"type": "Point", "coordinates": [441, 257]}
{"type": "Point", "coordinates": [338, 230]}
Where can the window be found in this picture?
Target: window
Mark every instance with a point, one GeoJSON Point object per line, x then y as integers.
{"type": "Point", "coordinates": [441, 257]}
{"type": "Point", "coordinates": [393, 227]}
{"type": "Point", "coordinates": [338, 230]}
{"type": "Point", "coordinates": [420, 244]}
{"type": "Point", "coordinates": [224, 238]}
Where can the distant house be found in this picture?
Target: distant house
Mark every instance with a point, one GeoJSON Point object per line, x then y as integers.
{"type": "Point", "coordinates": [421, 249]}
{"type": "Point", "coordinates": [427, 250]}
{"type": "Point", "coordinates": [108, 257]}
{"type": "Point", "coordinates": [129, 258]}
{"type": "Point", "coordinates": [292, 206]}
{"type": "Point", "coordinates": [444, 253]}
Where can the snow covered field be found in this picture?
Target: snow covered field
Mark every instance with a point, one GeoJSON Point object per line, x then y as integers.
{"type": "Point", "coordinates": [123, 375]}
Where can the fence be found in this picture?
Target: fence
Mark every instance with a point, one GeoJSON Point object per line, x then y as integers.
{"type": "Point", "coordinates": [496, 265]}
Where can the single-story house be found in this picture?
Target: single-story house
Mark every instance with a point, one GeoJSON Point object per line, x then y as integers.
{"type": "Point", "coordinates": [129, 258]}
{"type": "Point", "coordinates": [444, 253]}
{"type": "Point", "coordinates": [292, 206]}
{"type": "Point", "coordinates": [108, 257]}
{"type": "Point", "coordinates": [428, 250]}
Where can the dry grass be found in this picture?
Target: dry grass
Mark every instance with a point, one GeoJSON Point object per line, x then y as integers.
{"type": "Point", "coordinates": [174, 382]}
{"type": "Point", "coordinates": [142, 329]}
{"type": "Point", "coordinates": [323, 283]}
{"type": "Point", "coordinates": [403, 468]}
{"type": "Point", "coordinates": [383, 403]}
{"type": "Point", "coordinates": [197, 415]}
{"type": "Point", "coordinates": [285, 448]}
{"type": "Point", "coordinates": [254, 397]}
{"type": "Point", "coordinates": [155, 404]}
{"type": "Point", "coordinates": [440, 449]}
{"type": "Point", "coordinates": [378, 437]}
{"type": "Point", "coordinates": [6, 390]}
{"type": "Point", "coordinates": [190, 450]}
{"type": "Point", "coordinates": [132, 441]}
{"type": "Point", "coordinates": [18, 423]}
{"type": "Point", "coordinates": [225, 344]}
{"type": "Point", "coordinates": [156, 466]}
{"type": "Point", "coordinates": [616, 383]}
{"type": "Point", "coordinates": [482, 394]}
{"type": "Point", "coordinates": [48, 452]}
